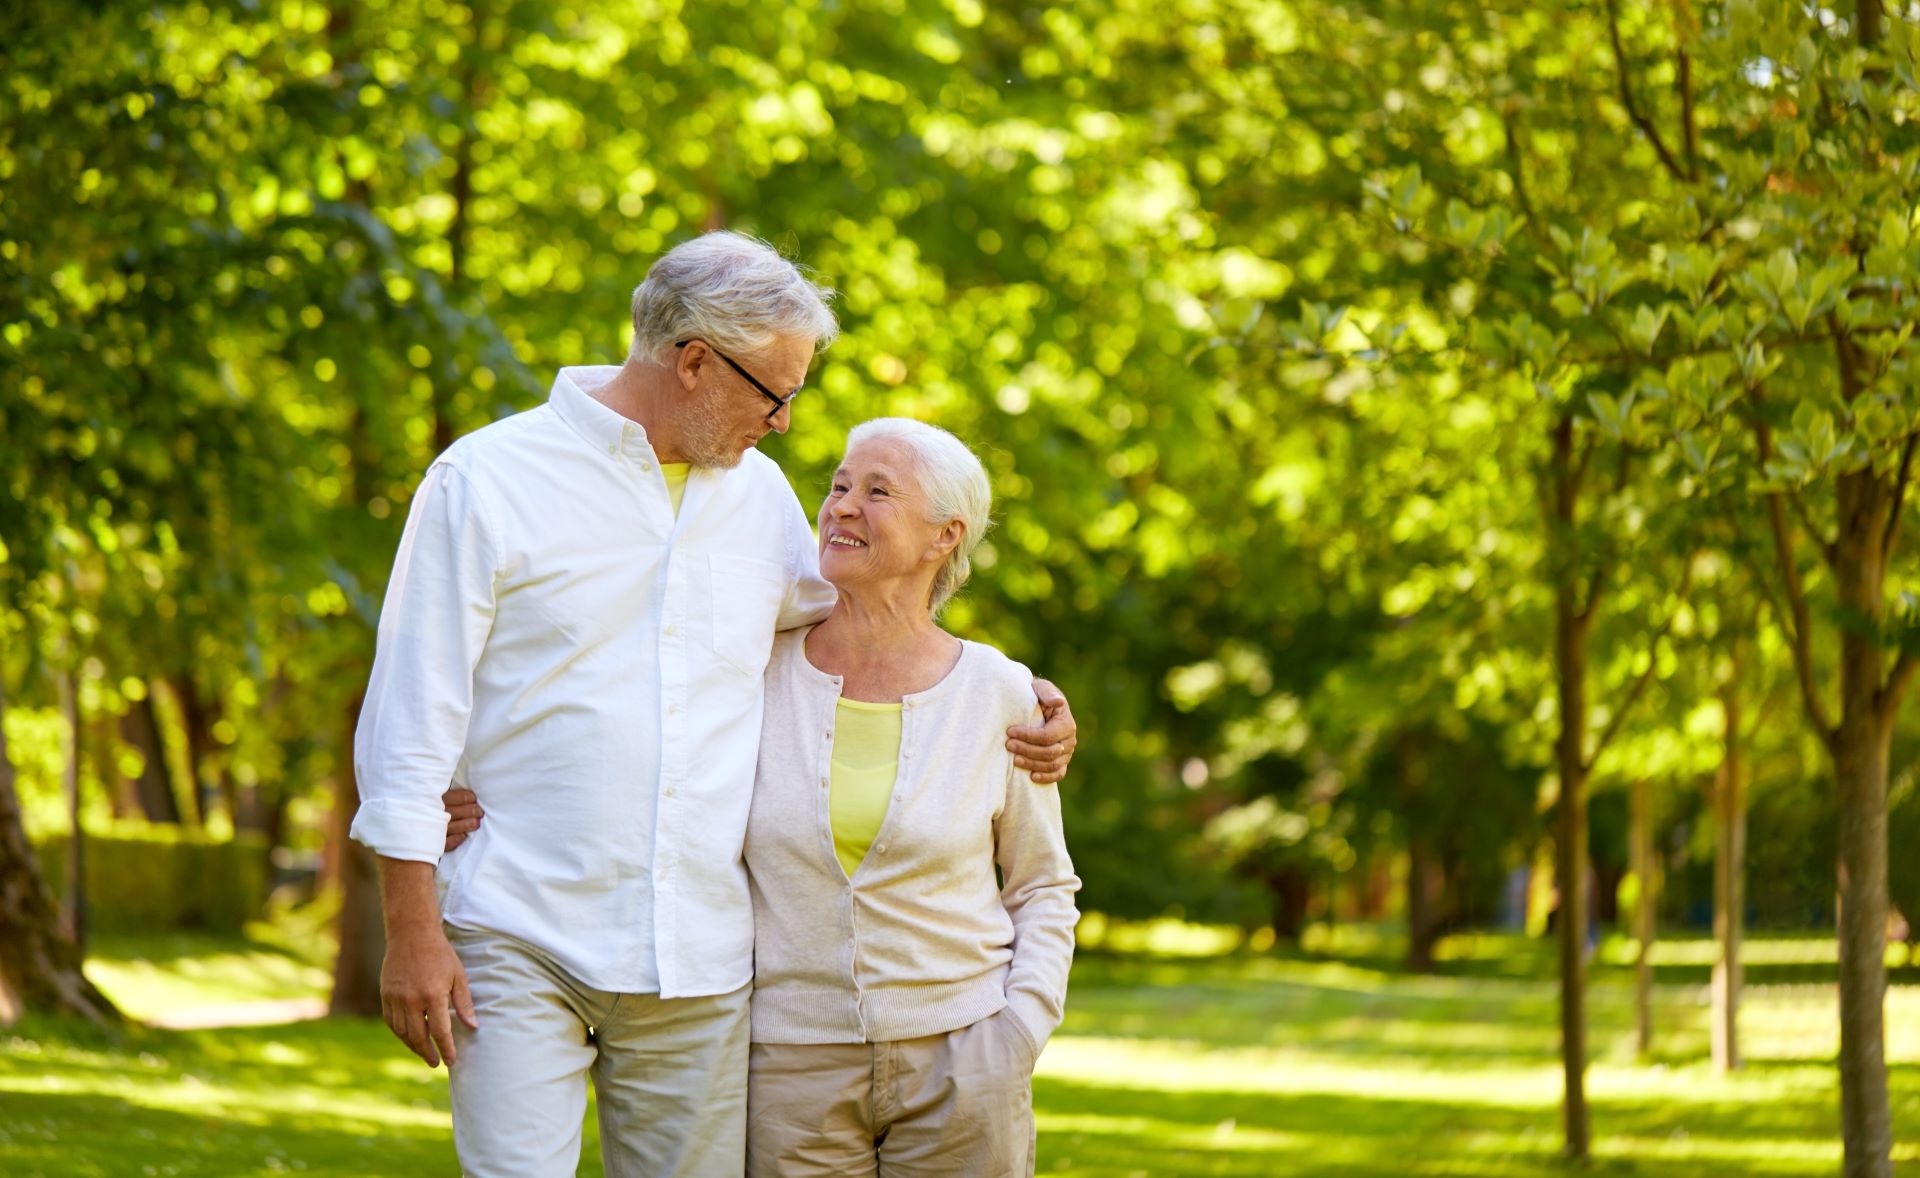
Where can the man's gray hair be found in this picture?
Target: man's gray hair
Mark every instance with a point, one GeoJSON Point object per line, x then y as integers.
{"type": "Point", "coordinates": [734, 291]}
{"type": "Point", "coordinates": [954, 483]}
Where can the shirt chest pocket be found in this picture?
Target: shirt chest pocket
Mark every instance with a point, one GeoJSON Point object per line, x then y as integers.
{"type": "Point", "coordinates": [743, 607]}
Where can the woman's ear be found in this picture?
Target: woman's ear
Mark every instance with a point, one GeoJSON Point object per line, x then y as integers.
{"type": "Point", "coordinates": [948, 537]}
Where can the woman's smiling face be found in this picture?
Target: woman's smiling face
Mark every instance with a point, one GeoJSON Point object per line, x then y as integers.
{"type": "Point", "coordinates": [873, 525]}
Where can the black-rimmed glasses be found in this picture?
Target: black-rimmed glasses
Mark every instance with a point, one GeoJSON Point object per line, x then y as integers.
{"type": "Point", "coordinates": [779, 402]}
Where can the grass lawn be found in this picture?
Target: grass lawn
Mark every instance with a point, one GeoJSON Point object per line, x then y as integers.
{"type": "Point", "coordinates": [1233, 1064]}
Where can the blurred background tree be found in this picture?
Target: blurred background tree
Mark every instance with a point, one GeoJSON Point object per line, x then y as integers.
{"type": "Point", "coordinates": [1391, 409]}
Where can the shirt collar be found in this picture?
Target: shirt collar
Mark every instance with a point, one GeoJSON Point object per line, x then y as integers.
{"type": "Point", "coordinates": [600, 426]}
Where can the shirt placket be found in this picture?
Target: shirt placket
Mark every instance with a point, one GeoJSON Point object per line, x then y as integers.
{"type": "Point", "coordinates": [643, 465]}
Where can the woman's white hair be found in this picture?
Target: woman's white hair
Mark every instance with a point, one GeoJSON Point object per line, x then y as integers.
{"type": "Point", "coordinates": [734, 291]}
{"type": "Point", "coordinates": [954, 484]}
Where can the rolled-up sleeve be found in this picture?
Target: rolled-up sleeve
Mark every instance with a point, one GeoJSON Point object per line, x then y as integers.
{"type": "Point", "coordinates": [1030, 845]}
{"type": "Point", "coordinates": [810, 597]}
{"type": "Point", "coordinates": [438, 612]}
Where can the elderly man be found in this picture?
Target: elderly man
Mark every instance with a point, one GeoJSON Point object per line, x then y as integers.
{"type": "Point", "coordinates": [582, 605]}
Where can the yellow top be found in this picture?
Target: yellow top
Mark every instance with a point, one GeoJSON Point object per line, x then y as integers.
{"type": "Point", "coordinates": [866, 757]}
{"type": "Point", "coordinates": [676, 473]}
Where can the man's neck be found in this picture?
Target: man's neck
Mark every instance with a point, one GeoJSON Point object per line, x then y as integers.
{"type": "Point", "coordinates": [645, 393]}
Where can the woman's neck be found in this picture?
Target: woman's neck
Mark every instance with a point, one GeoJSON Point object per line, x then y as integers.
{"type": "Point", "coordinates": [883, 645]}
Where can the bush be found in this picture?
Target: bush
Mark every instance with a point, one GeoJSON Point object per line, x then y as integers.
{"type": "Point", "coordinates": [148, 879]}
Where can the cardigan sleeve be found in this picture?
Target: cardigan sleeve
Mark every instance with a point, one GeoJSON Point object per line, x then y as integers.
{"type": "Point", "coordinates": [1030, 845]}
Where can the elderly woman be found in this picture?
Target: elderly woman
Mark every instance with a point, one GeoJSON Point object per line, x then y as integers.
{"type": "Point", "coordinates": [901, 993]}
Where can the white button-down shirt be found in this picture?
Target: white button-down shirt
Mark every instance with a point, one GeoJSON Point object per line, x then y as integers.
{"type": "Point", "coordinates": [557, 641]}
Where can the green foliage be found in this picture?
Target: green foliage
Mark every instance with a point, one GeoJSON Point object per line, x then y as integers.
{"type": "Point", "coordinates": [1258, 312]}
{"type": "Point", "coordinates": [143, 878]}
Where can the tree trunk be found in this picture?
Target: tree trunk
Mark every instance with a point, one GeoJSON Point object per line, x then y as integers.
{"type": "Point", "coordinates": [1376, 886]}
{"type": "Point", "coordinates": [1860, 771]}
{"type": "Point", "coordinates": [1571, 627]}
{"type": "Point", "coordinates": [103, 753]}
{"type": "Point", "coordinates": [204, 774]}
{"type": "Point", "coordinates": [76, 914]}
{"type": "Point", "coordinates": [363, 940]}
{"type": "Point", "coordinates": [1291, 892]}
{"type": "Point", "coordinates": [1422, 863]}
{"type": "Point", "coordinates": [1645, 873]}
{"type": "Point", "coordinates": [39, 963]}
{"type": "Point", "coordinates": [1729, 877]}
{"type": "Point", "coordinates": [1860, 756]}
{"type": "Point", "coordinates": [140, 727]}
{"type": "Point", "coordinates": [1422, 910]}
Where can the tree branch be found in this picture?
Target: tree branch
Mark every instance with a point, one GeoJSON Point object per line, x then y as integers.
{"type": "Point", "coordinates": [1597, 586]}
{"type": "Point", "coordinates": [1828, 552]}
{"type": "Point", "coordinates": [1585, 462]}
{"type": "Point", "coordinates": [1896, 684]}
{"type": "Point", "coordinates": [1653, 663]}
{"type": "Point", "coordinates": [1626, 96]}
{"type": "Point", "coordinates": [1891, 535]}
{"type": "Point", "coordinates": [1868, 20]}
{"type": "Point", "coordinates": [1516, 167]}
{"type": "Point", "coordinates": [1848, 358]}
{"type": "Point", "coordinates": [1799, 625]}
{"type": "Point", "coordinates": [1687, 132]}
{"type": "Point", "coordinates": [1598, 582]}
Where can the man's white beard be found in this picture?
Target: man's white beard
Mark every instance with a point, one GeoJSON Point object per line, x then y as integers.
{"type": "Point", "coordinates": [706, 441]}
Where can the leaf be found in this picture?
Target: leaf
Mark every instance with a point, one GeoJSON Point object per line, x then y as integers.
{"type": "Point", "coordinates": [1608, 413]}
{"type": "Point", "coordinates": [1645, 329]}
{"type": "Point", "coordinates": [1694, 452]}
{"type": "Point", "coordinates": [1406, 190]}
{"type": "Point", "coordinates": [1783, 272]}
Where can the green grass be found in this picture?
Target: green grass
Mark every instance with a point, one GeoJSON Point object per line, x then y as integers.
{"type": "Point", "coordinates": [1170, 1064]}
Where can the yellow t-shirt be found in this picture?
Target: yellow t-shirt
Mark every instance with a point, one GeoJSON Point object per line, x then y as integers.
{"type": "Point", "coordinates": [676, 476]}
{"type": "Point", "coordinates": [866, 757]}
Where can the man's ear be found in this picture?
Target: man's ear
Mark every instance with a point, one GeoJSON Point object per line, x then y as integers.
{"type": "Point", "coordinates": [688, 359]}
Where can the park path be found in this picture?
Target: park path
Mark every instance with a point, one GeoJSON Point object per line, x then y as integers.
{"type": "Point", "coordinates": [242, 1014]}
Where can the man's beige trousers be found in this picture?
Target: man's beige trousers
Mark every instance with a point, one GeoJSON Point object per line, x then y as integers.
{"type": "Point", "coordinates": [954, 1104]}
{"type": "Point", "coordinates": [669, 1076]}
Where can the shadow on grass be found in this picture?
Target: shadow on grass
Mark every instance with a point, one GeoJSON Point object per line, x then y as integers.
{"type": "Point", "coordinates": [1098, 1129]}
{"type": "Point", "coordinates": [82, 1134]}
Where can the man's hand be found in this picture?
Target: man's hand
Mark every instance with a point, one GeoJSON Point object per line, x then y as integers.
{"type": "Point", "coordinates": [463, 815]}
{"type": "Point", "coordinates": [1046, 751]}
{"type": "Point", "coordinates": [422, 984]}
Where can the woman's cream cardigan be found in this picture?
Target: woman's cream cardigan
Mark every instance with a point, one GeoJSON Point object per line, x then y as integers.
{"type": "Point", "coordinates": [923, 939]}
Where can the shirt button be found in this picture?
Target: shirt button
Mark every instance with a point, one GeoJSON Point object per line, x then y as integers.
{"type": "Point", "coordinates": [669, 791]}
{"type": "Point", "coordinates": [673, 709]}
{"type": "Point", "coordinates": [882, 848]}
{"type": "Point", "coordinates": [672, 630]}
{"type": "Point", "coordinates": [646, 466]}
{"type": "Point", "coordinates": [613, 449]}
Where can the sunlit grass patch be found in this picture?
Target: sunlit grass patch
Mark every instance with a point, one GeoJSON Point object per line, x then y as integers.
{"type": "Point", "coordinates": [1251, 1065]}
